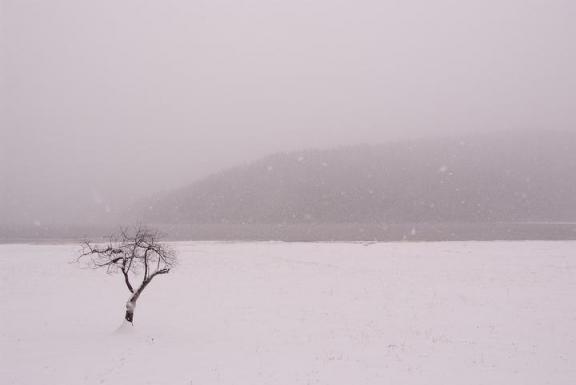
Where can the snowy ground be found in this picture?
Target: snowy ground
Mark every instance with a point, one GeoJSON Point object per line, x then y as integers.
{"type": "Point", "coordinates": [290, 314]}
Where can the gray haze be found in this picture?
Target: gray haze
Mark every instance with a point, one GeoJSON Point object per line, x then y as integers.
{"type": "Point", "coordinates": [107, 101]}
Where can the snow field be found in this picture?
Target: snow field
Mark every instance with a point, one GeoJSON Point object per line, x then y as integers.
{"type": "Point", "coordinates": [297, 313]}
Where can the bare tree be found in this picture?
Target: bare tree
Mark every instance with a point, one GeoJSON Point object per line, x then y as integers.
{"type": "Point", "coordinates": [137, 254]}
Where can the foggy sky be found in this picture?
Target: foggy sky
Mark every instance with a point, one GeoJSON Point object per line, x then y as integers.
{"type": "Point", "coordinates": [112, 99]}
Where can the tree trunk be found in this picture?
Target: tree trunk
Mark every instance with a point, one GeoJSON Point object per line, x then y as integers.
{"type": "Point", "coordinates": [130, 306]}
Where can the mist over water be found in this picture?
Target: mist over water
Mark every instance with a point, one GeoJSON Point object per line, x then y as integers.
{"type": "Point", "coordinates": [106, 103]}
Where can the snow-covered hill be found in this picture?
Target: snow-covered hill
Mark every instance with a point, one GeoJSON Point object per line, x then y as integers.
{"type": "Point", "coordinates": [496, 177]}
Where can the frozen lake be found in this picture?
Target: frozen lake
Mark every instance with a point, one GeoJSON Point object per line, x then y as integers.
{"type": "Point", "coordinates": [297, 313]}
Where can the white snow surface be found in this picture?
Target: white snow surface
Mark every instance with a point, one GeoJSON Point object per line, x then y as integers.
{"type": "Point", "coordinates": [297, 313]}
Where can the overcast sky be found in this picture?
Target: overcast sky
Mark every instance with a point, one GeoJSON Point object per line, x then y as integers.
{"type": "Point", "coordinates": [134, 96]}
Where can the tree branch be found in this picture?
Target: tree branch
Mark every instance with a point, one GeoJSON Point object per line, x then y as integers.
{"type": "Point", "coordinates": [134, 251]}
{"type": "Point", "coordinates": [127, 281]}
